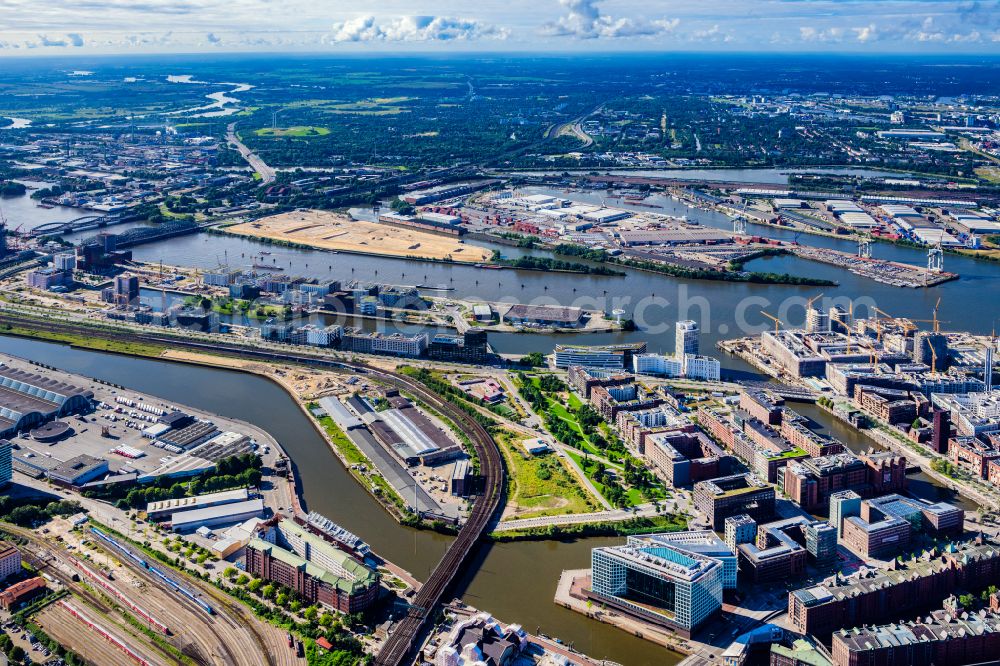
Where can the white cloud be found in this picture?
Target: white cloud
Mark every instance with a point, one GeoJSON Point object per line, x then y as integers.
{"type": "Point", "coordinates": [75, 39]}
{"type": "Point", "coordinates": [583, 20]}
{"type": "Point", "coordinates": [711, 34]}
{"type": "Point", "coordinates": [811, 34]}
{"type": "Point", "coordinates": [413, 29]}
{"type": "Point", "coordinates": [868, 33]}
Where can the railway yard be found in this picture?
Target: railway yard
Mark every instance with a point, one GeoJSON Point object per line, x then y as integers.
{"type": "Point", "coordinates": [112, 595]}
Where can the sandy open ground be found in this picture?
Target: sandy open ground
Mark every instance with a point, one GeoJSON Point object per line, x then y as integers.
{"type": "Point", "coordinates": [333, 231]}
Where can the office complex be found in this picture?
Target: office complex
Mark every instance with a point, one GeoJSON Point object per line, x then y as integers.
{"type": "Point", "coordinates": [318, 571]}
{"type": "Point", "coordinates": [740, 529]}
{"type": "Point", "coordinates": [843, 504]}
{"type": "Point", "coordinates": [734, 495]}
{"type": "Point", "coordinates": [659, 582]}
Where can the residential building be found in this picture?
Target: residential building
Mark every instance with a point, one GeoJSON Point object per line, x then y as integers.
{"type": "Point", "coordinates": [740, 529]}
{"type": "Point", "coordinates": [10, 560]}
{"type": "Point", "coordinates": [686, 338]}
{"type": "Point", "coordinates": [21, 592]}
{"type": "Point", "coordinates": [608, 357]}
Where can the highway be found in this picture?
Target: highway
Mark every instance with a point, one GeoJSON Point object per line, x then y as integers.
{"type": "Point", "coordinates": [406, 636]}
{"type": "Point", "coordinates": [254, 160]}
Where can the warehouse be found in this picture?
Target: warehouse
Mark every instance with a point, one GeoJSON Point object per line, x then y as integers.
{"type": "Point", "coordinates": [544, 315]}
{"type": "Point", "coordinates": [606, 215]}
{"type": "Point", "coordinates": [336, 410]}
{"type": "Point", "coordinates": [164, 508]}
{"type": "Point", "coordinates": [935, 237]}
{"type": "Point", "coordinates": [28, 400]}
{"type": "Point", "coordinates": [234, 512]}
{"type": "Point", "coordinates": [78, 471]}
{"type": "Point", "coordinates": [678, 236]}
{"type": "Point", "coordinates": [415, 442]}
{"type": "Point", "coordinates": [858, 220]}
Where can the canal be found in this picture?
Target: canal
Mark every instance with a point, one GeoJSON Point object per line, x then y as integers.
{"type": "Point", "coordinates": [514, 581]}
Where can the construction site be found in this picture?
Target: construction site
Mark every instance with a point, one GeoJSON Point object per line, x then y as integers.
{"type": "Point", "coordinates": [338, 233]}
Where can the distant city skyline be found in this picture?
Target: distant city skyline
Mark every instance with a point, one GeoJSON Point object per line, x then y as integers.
{"type": "Point", "coordinates": [36, 27]}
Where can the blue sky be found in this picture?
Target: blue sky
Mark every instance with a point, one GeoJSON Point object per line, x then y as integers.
{"type": "Point", "coordinates": [34, 27]}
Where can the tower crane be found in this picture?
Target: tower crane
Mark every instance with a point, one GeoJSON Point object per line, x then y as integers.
{"type": "Point", "coordinates": [777, 322]}
{"type": "Point", "coordinates": [847, 327]}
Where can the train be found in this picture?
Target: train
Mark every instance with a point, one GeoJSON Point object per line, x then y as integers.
{"type": "Point", "coordinates": [96, 578]}
{"type": "Point", "coordinates": [141, 561]}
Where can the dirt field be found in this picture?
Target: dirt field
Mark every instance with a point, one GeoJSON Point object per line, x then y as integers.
{"type": "Point", "coordinates": [332, 231]}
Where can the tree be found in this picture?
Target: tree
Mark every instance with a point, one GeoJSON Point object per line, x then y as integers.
{"type": "Point", "coordinates": [534, 360]}
{"type": "Point", "coordinates": [267, 591]}
{"type": "Point", "coordinates": [326, 620]}
{"type": "Point", "coordinates": [281, 599]}
{"type": "Point", "coordinates": [229, 572]}
{"type": "Point", "coordinates": [242, 579]}
{"type": "Point", "coordinates": [255, 584]}
{"type": "Point", "coordinates": [311, 613]}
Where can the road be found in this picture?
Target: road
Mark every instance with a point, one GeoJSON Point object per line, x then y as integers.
{"type": "Point", "coordinates": [266, 173]}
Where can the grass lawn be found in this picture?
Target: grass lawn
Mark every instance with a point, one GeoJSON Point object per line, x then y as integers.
{"type": "Point", "coordinates": [634, 496]}
{"type": "Point", "coordinates": [296, 130]}
{"type": "Point", "coordinates": [542, 485]}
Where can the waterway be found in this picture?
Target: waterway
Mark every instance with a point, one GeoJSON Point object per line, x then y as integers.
{"type": "Point", "coordinates": [24, 212]}
{"type": "Point", "coordinates": [724, 309]}
{"type": "Point", "coordinates": [759, 176]}
{"type": "Point", "coordinates": [514, 581]}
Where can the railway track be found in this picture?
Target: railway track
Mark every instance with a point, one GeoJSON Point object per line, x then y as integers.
{"type": "Point", "coordinates": [404, 640]}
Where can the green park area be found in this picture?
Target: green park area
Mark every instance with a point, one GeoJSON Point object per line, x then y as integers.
{"type": "Point", "coordinates": [541, 485]}
{"type": "Point", "coordinates": [294, 131]}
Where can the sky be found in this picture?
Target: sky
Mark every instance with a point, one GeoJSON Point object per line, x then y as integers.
{"type": "Point", "coordinates": [51, 27]}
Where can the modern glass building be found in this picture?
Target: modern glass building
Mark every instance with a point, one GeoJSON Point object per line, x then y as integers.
{"type": "Point", "coordinates": [658, 582]}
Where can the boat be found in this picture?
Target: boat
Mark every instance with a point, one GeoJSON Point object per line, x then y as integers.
{"type": "Point", "coordinates": [263, 252]}
{"type": "Point", "coordinates": [45, 205]}
{"type": "Point", "coordinates": [267, 267]}
{"type": "Point", "coordinates": [338, 533]}
{"type": "Point", "coordinates": [435, 288]}
{"type": "Point", "coordinates": [492, 267]}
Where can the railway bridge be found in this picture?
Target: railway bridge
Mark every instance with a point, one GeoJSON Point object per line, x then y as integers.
{"type": "Point", "coordinates": [405, 638]}
{"type": "Point", "coordinates": [79, 224]}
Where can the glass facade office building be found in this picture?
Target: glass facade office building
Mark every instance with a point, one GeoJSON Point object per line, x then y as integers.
{"type": "Point", "coordinates": [658, 582]}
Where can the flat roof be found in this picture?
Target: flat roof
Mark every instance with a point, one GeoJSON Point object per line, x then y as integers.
{"type": "Point", "coordinates": [217, 512]}
{"type": "Point", "coordinates": [223, 497]}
